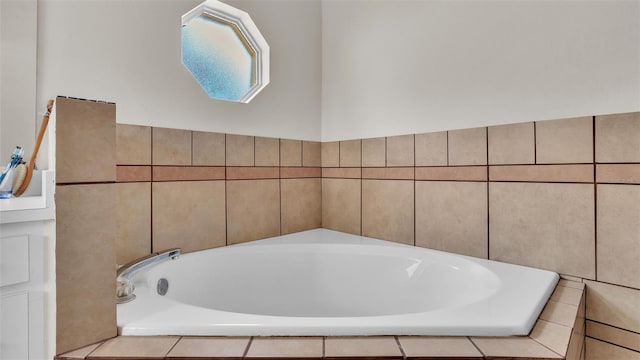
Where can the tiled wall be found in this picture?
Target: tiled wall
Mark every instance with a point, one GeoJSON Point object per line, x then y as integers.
{"type": "Point", "coordinates": [125, 191]}
{"type": "Point", "coordinates": [198, 190]}
{"type": "Point", "coordinates": [562, 195]}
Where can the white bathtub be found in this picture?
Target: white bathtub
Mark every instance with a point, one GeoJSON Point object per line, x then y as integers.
{"type": "Point", "coordinates": [322, 282]}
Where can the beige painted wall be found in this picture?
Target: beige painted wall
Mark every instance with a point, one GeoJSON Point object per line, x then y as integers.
{"type": "Point", "coordinates": [128, 52]}
{"type": "Point", "coordinates": [18, 28]}
{"type": "Point", "coordinates": [403, 67]}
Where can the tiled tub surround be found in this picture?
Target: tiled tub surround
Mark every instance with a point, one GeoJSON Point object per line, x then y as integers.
{"type": "Point", "coordinates": [124, 191]}
{"type": "Point", "coordinates": [558, 334]}
{"type": "Point", "coordinates": [591, 158]}
{"type": "Point", "coordinates": [562, 195]}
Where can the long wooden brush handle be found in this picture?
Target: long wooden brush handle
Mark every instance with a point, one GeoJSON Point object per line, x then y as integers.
{"type": "Point", "coordinates": [43, 128]}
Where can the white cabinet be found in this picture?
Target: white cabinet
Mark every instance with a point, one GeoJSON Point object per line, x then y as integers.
{"type": "Point", "coordinates": [27, 273]}
{"type": "Point", "coordinates": [14, 260]}
{"type": "Point", "coordinates": [23, 292]}
{"type": "Point", "coordinates": [14, 326]}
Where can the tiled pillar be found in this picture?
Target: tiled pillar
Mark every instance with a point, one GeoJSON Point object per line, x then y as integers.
{"type": "Point", "coordinates": [85, 222]}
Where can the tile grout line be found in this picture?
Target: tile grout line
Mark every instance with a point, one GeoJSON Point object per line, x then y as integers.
{"type": "Point", "coordinates": [488, 201]}
{"type": "Point", "coordinates": [324, 351]}
{"type": "Point", "coordinates": [535, 143]}
{"type": "Point", "coordinates": [595, 200]}
{"type": "Point", "coordinates": [151, 197]}
{"type": "Point", "coordinates": [280, 183]}
{"type": "Point", "coordinates": [361, 187]}
{"type": "Point", "coordinates": [484, 356]}
{"type": "Point", "coordinates": [246, 350]}
{"type": "Point", "coordinates": [415, 226]}
{"type": "Point", "coordinates": [610, 343]}
{"type": "Point", "coordinates": [226, 195]}
{"type": "Point", "coordinates": [548, 348]}
{"type": "Point", "coordinates": [447, 148]}
{"type": "Point", "coordinates": [404, 355]}
{"type": "Point", "coordinates": [173, 346]}
{"type": "Point", "coordinates": [613, 284]}
{"type": "Point", "coordinates": [612, 326]}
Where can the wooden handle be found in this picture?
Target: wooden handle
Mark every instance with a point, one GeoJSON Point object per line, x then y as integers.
{"type": "Point", "coordinates": [43, 128]}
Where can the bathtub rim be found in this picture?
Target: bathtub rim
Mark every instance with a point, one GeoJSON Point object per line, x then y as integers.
{"type": "Point", "coordinates": [512, 327]}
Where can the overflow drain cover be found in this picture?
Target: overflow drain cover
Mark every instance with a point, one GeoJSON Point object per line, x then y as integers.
{"type": "Point", "coordinates": [163, 286]}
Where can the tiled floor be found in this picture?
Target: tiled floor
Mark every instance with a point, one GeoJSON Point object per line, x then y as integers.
{"type": "Point", "coordinates": [558, 334]}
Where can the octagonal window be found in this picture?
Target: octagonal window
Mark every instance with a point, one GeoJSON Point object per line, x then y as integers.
{"type": "Point", "coordinates": [224, 51]}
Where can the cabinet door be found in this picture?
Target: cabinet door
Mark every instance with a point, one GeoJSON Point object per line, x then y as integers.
{"type": "Point", "coordinates": [14, 326]}
{"type": "Point", "coordinates": [14, 260]}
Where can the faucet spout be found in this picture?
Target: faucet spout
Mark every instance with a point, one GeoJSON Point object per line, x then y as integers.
{"type": "Point", "coordinates": [125, 287]}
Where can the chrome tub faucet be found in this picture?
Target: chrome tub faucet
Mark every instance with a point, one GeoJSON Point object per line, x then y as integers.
{"type": "Point", "coordinates": [125, 287]}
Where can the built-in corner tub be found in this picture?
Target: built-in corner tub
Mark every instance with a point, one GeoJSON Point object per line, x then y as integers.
{"type": "Point", "coordinates": [323, 282]}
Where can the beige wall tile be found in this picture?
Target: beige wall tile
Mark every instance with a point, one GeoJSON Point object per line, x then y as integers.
{"type": "Point", "coordinates": [599, 350]}
{"type": "Point", "coordinates": [240, 150]}
{"type": "Point", "coordinates": [542, 173]}
{"type": "Point", "coordinates": [285, 347]}
{"type": "Point", "coordinates": [619, 234]}
{"type": "Point", "coordinates": [553, 336]}
{"type": "Point", "coordinates": [468, 146]}
{"type": "Point", "coordinates": [576, 283]}
{"type": "Point", "coordinates": [618, 173]}
{"type": "Point", "coordinates": [250, 173]}
{"type": "Point", "coordinates": [345, 173]}
{"type": "Point", "coordinates": [171, 146]}
{"type": "Point", "coordinates": [461, 173]}
{"type": "Point", "coordinates": [135, 347]}
{"type": "Point", "coordinates": [567, 295]}
{"type": "Point", "coordinates": [613, 335]}
{"type": "Point", "coordinates": [311, 153]}
{"type": "Point", "coordinates": [306, 172]}
{"type": "Point", "coordinates": [618, 138]}
{"type": "Point", "coordinates": [85, 141]}
{"type": "Point", "coordinates": [511, 144]}
{"type": "Point", "coordinates": [132, 173]}
{"type": "Point", "coordinates": [133, 145]}
{"type": "Point", "coordinates": [301, 204]}
{"type": "Point", "coordinates": [438, 347]}
{"type": "Point", "coordinates": [209, 347]}
{"type": "Point", "coordinates": [85, 259]}
{"type": "Point", "coordinates": [576, 345]}
{"type": "Point", "coordinates": [208, 148]}
{"type": "Point", "coordinates": [133, 237]}
{"type": "Point", "coordinates": [267, 151]}
{"type": "Point", "coordinates": [559, 313]}
{"type": "Point", "coordinates": [371, 347]}
{"type": "Point", "coordinates": [341, 205]}
{"type": "Point", "coordinates": [290, 152]}
{"type": "Point", "coordinates": [387, 210]}
{"type": "Point", "coordinates": [452, 216]}
{"type": "Point", "coordinates": [613, 305]}
{"type": "Point", "coordinates": [330, 154]}
{"type": "Point", "coordinates": [350, 153]}
{"type": "Point", "coordinates": [550, 226]}
{"type": "Point", "coordinates": [396, 173]}
{"type": "Point", "coordinates": [79, 354]}
{"type": "Point", "coordinates": [513, 347]}
{"type": "Point", "coordinates": [253, 210]}
{"type": "Point", "coordinates": [431, 149]}
{"type": "Point", "coordinates": [188, 214]}
{"type": "Point", "coordinates": [400, 151]}
{"type": "Point", "coordinates": [374, 152]}
{"type": "Point", "coordinates": [184, 173]}
{"type": "Point", "coordinates": [564, 141]}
